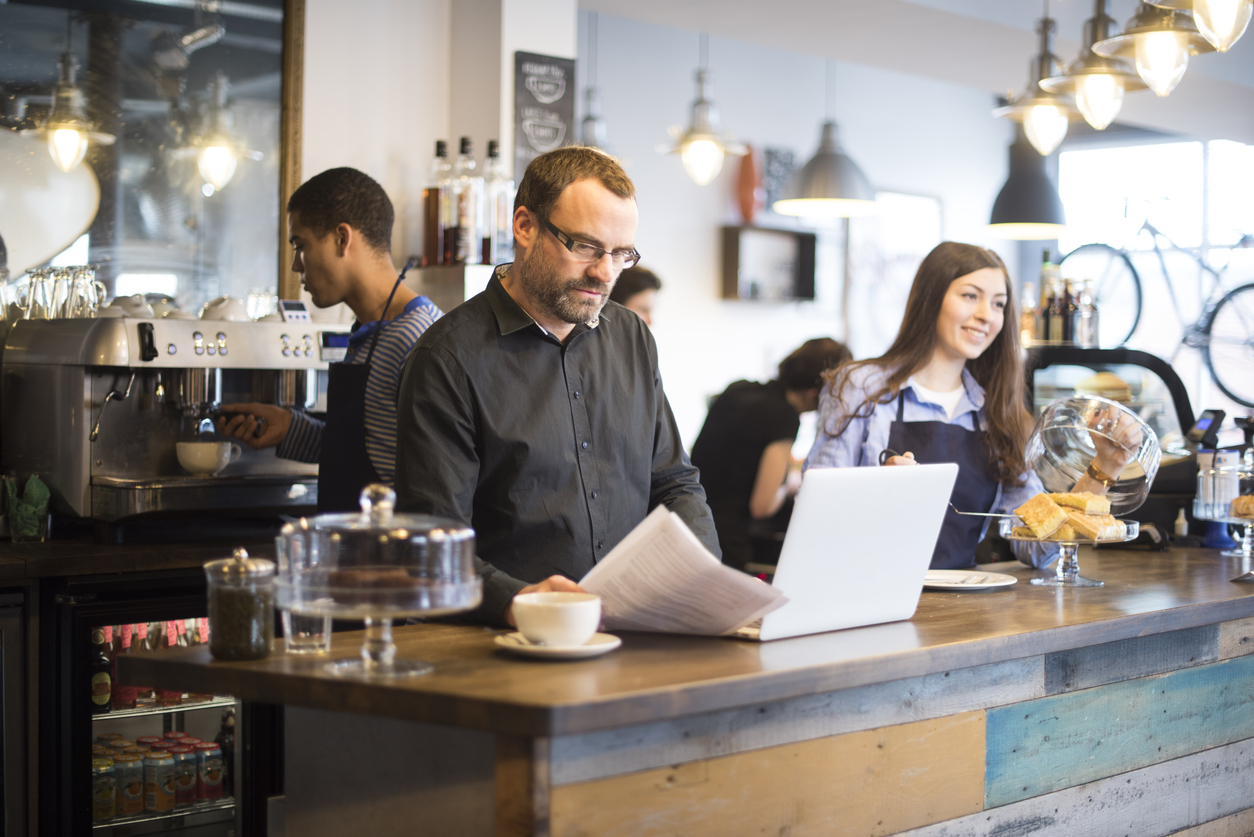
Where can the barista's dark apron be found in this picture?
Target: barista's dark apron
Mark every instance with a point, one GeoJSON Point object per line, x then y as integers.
{"type": "Point", "coordinates": [932, 442]}
{"type": "Point", "coordinates": [344, 466]}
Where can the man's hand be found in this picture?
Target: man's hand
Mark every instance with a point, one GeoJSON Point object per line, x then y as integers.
{"type": "Point", "coordinates": [244, 425]}
{"type": "Point", "coordinates": [552, 584]}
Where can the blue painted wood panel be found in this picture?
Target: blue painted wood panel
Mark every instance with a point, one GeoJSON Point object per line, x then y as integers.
{"type": "Point", "coordinates": [1057, 742]}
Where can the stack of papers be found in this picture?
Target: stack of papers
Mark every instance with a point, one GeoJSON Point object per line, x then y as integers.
{"type": "Point", "coordinates": [661, 578]}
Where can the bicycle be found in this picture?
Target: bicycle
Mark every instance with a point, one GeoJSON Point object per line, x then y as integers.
{"type": "Point", "coordinates": [1224, 331]}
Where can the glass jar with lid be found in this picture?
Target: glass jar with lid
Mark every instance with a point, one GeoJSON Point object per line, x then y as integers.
{"type": "Point", "coordinates": [1225, 493]}
{"type": "Point", "coordinates": [241, 607]}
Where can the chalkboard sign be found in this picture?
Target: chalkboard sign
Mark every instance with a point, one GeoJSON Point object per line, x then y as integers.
{"type": "Point", "coordinates": [544, 106]}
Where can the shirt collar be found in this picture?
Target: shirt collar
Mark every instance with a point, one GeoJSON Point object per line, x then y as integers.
{"type": "Point", "coordinates": [973, 393]}
{"type": "Point", "coordinates": [510, 316]}
{"type": "Point", "coordinates": [360, 331]}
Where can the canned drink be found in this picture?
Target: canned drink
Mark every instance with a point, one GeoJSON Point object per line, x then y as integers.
{"type": "Point", "coordinates": [147, 740]}
{"type": "Point", "coordinates": [104, 790]}
{"type": "Point", "coordinates": [190, 741]}
{"type": "Point", "coordinates": [100, 751]}
{"type": "Point", "coordinates": [184, 776]}
{"type": "Point", "coordinates": [137, 750]}
{"type": "Point", "coordinates": [158, 782]}
{"type": "Point", "coordinates": [106, 737]}
{"type": "Point", "coordinates": [174, 735]}
{"type": "Point", "coordinates": [166, 746]}
{"type": "Point", "coordinates": [128, 770]}
{"type": "Point", "coordinates": [209, 772]}
{"type": "Point", "coordinates": [120, 744]}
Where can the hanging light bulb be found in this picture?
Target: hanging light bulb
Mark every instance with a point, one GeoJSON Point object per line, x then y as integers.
{"type": "Point", "coordinates": [1045, 114]}
{"type": "Point", "coordinates": [68, 130]}
{"type": "Point", "coordinates": [1098, 83]}
{"type": "Point", "coordinates": [216, 164]}
{"type": "Point", "coordinates": [1160, 42]}
{"type": "Point", "coordinates": [217, 149]}
{"type": "Point", "coordinates": [702, 147]}
{"type": "Point", "coordinates": [1220, 22]}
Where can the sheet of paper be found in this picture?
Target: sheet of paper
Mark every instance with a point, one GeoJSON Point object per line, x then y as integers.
{"type": "Point", "coordinates": [661, 578]}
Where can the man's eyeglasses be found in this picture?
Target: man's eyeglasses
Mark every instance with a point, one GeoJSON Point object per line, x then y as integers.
{"type": "Point", "coordinates": [585, 252]}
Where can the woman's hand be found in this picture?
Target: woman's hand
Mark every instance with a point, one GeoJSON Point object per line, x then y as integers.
{"type": "Point", "coordinates": [1116, 440]}
{"type": "Point", "coordinates": [906, 458]}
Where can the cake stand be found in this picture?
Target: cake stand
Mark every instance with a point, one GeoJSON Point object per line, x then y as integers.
{"type": "Point", "coordinates": [1067, 569]}
{"type": "Point", "coordinates": [377, 566]}
{"type": "Point", "coordinates": [1217, 488]}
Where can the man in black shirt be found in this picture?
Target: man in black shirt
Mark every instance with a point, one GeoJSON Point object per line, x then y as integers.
{"type": "Point", "coordinates": [534, 412]}
{"type": "Point", "coordinates": [744, 449]}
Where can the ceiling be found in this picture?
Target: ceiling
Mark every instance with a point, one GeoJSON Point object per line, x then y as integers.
{"type": "Point", "coordinates": [985, 44]}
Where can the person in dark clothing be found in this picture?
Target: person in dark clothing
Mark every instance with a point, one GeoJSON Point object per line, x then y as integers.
{"type": "Point", "coordinates": [636, 290]}
{"type": "Point", "coordinates": [744, 451]}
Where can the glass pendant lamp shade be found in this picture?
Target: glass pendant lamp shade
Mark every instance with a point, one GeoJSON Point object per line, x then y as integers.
{"type": "Point", "coordinates": [830, 185]}
{"type": "Point", "coordinates": [702, 146]}
{"type": "Point", "coordinates": [68, 130]}
{"type": "Point", "coordinates": [216, 164]}
{"type": "Point", "coordinates": [1098, 83]}
{"type": "Point", "coordinates": [218, 150]}
{"type": "Point", "coordinates": [1028, 207]}
{"type": "Point", "coordinates": [1220, 22]}
{"type": "Point", "coordinates": [1045, 114]}
{"type": "Point", "coordinates": [1160, 42]}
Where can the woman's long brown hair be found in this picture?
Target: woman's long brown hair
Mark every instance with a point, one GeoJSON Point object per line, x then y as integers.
{"type": "Point", "coordinates": [999, 370]}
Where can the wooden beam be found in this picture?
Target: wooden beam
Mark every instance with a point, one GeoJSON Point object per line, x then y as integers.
{"type": "Point", "coordinates": [873, 782]}
{"type": "Point", "coordinates": [1127, 659]}
{"type": "Point", "coordinates": [522, 786]}
{"type": "Point", "coordinates": [290, 134]}
{"type": "Point", "coordinates": [1236, 638]}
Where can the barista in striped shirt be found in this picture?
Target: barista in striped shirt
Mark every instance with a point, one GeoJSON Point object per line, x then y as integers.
{"type": "Point", "coordinates": [340, 226]}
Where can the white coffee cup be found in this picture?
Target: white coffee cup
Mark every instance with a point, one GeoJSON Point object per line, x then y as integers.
{"type": "Point", "coordinates": [207, 458]}
{"type": "Point", "coordinates": [560, 619]}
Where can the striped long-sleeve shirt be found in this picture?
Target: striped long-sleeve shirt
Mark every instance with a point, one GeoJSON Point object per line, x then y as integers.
{"type": "Point", "coordinates": [304, 438]}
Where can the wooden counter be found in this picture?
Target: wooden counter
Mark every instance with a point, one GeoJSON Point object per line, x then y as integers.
{"type": "Point", "coordinates": [1122, 709]}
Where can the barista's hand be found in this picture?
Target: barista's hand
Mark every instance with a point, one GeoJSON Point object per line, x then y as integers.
{"type": "Point", "coordinates": [1117, 439]}
{"type": "Point", "coordinates": [243, 425]}
{"type": "Point", "coordinates": [906, 458]}
{"type": "Point", "coordinates": [552, 584]}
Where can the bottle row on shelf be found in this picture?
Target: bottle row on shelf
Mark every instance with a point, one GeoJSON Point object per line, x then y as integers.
{"type": "Point", "coordinates": [109, 642]}
{"type": "Point", "coordinates": [468, 216]}
{"type": "Point", "coordinates": [1066, 313]}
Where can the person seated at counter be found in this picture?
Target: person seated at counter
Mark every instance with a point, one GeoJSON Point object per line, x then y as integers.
{"type": "Point", "coordinates": [340, 226]}
{"type": "Point", "coordinates": [949, 389]}
{"type": "Point", "coordinates": [636, 290]}
{"type": "Point", "coordinates": [744, 450]}
{"type": "Point", "coordinates": [534, 412]}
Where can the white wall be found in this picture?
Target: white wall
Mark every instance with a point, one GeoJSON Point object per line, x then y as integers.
{"type": "Point", "coordinates": [909, 134]}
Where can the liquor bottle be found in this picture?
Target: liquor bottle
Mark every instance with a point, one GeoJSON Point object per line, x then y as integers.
{"type": "Point", "coordinates": [1057, 310]}
{"type": "Point", "coordinates": [100, 666]}
{"type": "Point", "coordinates": [170, 639]}
{"type": "Point", "coordinates": [124, 697]}
{"type": "Point", "coordinates": [466, 206]}
{"type": "Point", "coordinates": [1027, 320]}
{"type": "Point", "coordinates": [226, 740]}
{"type": "Point", "coordinates": [1086, 318]}
{"type": "Point", "coordinates": [1046, 303]}
{"type": "Point", "coordinates": [1070, 311]}
{"type": "Point", "coordinates": [498, 230]}
{"type": "Point", "coordinates": [433, 206]}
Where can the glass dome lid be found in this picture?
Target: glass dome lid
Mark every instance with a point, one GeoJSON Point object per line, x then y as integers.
{"type": "Point", "coordinates": [1070, 434]}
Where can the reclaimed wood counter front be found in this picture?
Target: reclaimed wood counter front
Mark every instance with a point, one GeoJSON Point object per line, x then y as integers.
{"type": "Point", "coordinates": [1127, 709]}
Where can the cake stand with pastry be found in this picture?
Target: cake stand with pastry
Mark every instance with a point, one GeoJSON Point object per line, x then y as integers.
{"type": "Point", "coordinates": [1096, 459]}
{"type": "Point", "coordinates": [1225, 494]}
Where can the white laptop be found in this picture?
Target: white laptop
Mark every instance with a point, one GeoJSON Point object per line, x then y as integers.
{"type": "Point", "coordinates": [857, 548]}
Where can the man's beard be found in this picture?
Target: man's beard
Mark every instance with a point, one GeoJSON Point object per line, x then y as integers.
{"type": "Point", "coordinates": [540, 277]}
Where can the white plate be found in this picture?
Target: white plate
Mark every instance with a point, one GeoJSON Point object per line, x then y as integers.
{"type": "Point", "coordinates": [965, 580]}
{"type": "Point", "coordinates": [599, 644]}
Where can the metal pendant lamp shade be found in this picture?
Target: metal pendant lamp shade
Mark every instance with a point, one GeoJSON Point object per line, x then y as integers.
{"type": "Point", "coordinates": [1160, 42]}
{"type": "Point", "coordinates": [1044, 114]}
{"type": "Point", "coordinates": [831, 185]}
{"type": "Point", "coordinates": [1028, 207]}
{"type": "Point", "coordinates": [1097, 82]}
{"type": "Point", "coordinates": [1221, 22]}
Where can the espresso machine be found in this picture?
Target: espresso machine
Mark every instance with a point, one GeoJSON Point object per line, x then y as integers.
{"type": "Point", "coordinates": [95, 407]}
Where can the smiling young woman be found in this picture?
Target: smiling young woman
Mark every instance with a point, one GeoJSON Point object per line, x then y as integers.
{"type": "Point", "coordinates": [949, 389]}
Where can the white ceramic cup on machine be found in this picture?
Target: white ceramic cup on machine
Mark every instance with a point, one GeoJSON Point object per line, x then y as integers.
{"type": "Point", "coordinates": [557, 619]}
{"type": "Point", "coordinates": [204, 459]}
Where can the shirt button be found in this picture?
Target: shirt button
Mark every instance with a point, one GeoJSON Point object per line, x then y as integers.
{"type": "Point", "coordinates": [576, 393]}
{"type": "Point", "coordinates": [594, 495]}
{"type": "Point", "coordinates": [585, 446]}
{"type": "Point", "coordinates": [600, 544]}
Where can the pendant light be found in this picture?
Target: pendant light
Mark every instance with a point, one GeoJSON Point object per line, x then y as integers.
{"type": "Point", "coordinates": [830, 185]}
{"type": "Point", "coordinates": [1160, 41]}
{"type": "Point", "coordinates": [702, 147]}
{"type": "Point", "coordinates": [1098, 83]}
{"type": "Point", "coordinates": [593, 130]}
{"type": "Point", "coordinates": [68, 130]}
{"type": "Point", "coordinates": [1028, 207]}
{"type": "Point", "coordinates": [218, 150]}
{"type": "Point", "coordinates": [1221, 22]}
{"type": "Point", "coordinates": [1045, 115]}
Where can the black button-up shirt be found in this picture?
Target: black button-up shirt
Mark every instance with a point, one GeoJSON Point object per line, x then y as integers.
{"type": "Point", "coordinates": [552, 452]}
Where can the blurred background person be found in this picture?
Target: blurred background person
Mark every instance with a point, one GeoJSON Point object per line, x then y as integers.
{"type": "Point", "coordinates": [744, 451]}
{"type": "Point", "coordinates": [636, 290]}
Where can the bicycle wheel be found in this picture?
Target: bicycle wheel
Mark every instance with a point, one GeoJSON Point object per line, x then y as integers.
{"type": "Point", "coordinates": [1116, 289]}
{"type": "Point", "coordinates": [1229, 334]}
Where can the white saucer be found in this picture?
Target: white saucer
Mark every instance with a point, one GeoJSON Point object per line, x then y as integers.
{"type": "Point", "coordinates": [965, 580]}
{"type": "Point", "coordinates": [599, 644]}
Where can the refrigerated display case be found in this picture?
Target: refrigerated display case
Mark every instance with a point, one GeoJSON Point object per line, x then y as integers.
{"type": "Point", "coordinates": [13, 741]}
{"type": "Point", "coordinates": [68, 726]}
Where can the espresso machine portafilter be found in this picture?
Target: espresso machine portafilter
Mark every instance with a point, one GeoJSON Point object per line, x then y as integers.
{"type": "Point", "coordinates": [96, 407]}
